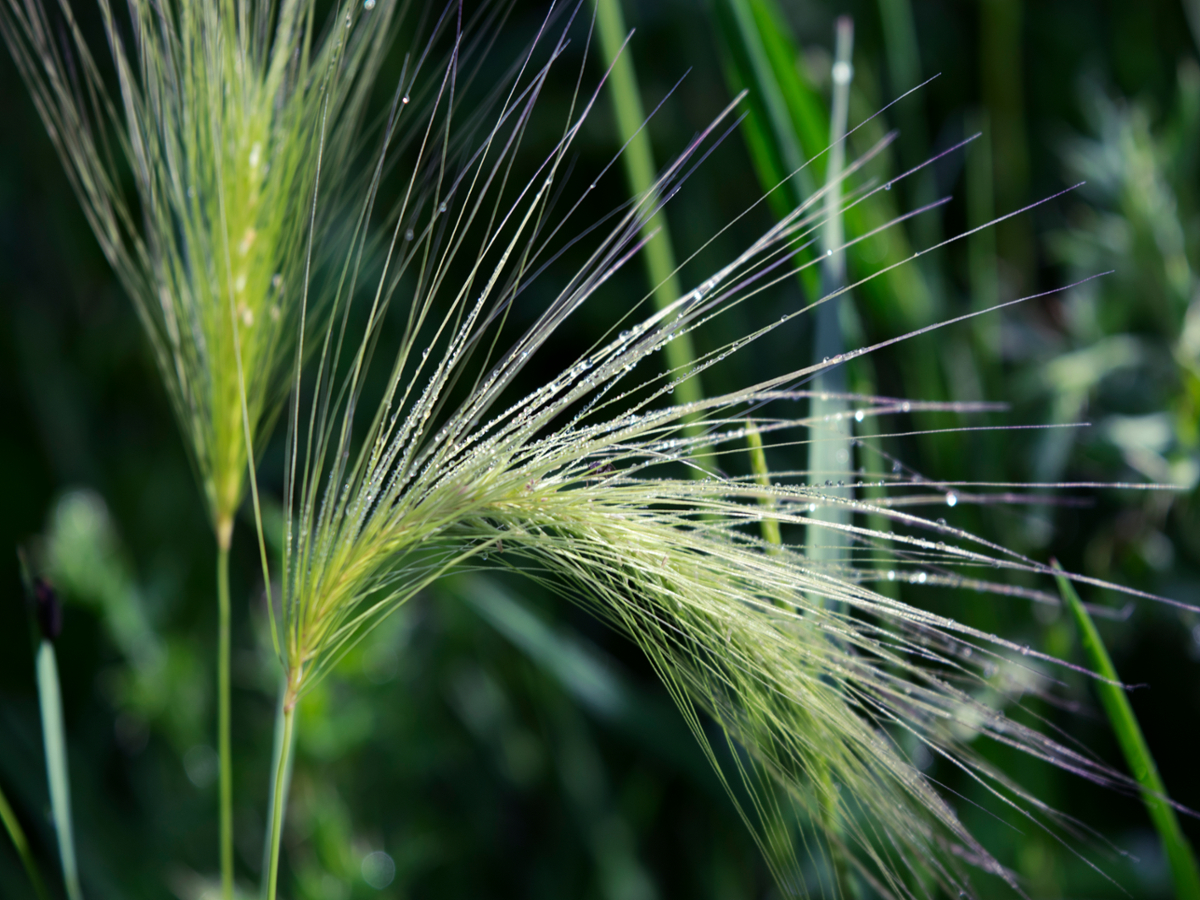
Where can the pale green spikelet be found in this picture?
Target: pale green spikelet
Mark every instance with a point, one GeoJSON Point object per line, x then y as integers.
{"type": "Point", "coordinates": [814, 680]}
{"type": "Point", "coordinates": [230, 114]}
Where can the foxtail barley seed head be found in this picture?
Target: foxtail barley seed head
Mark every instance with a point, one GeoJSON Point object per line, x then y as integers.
{"type": "Point", "coordinates": [816, 681]}
{"type": "Point", "coordinates": [230, 117]}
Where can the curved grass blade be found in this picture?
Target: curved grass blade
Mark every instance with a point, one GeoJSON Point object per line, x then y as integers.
{"type": "Point", "coordinates": [54, 735]}
{"type": "Point", "coordinates": [47, 618]}
{"type": "Point", "coordinates": [638, 160]}
{"type": "Point", "coordinates": [1137, 754]}
{"type": "Point", "coordinates": [17, 834]}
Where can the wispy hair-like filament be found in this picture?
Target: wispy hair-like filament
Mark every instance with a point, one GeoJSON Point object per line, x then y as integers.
{"type": "Point", "coordinates": [579, 484]}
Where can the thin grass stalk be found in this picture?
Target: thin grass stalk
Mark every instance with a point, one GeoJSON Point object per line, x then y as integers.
{"type": "Point", "coordinates": [762, 476]}
{"type": "Point", "coordinates": [637, 158]}
{"type": "Point", "coordinates": [224, 743]}
{"type": "Point", "coordinates": [1180, 856]}
{"type": "Point", "coordinates": [830, 456]}
{"type": "Point", "coordinates": [279, 785]}
{"type": "Point", "coordinates": [276, 748]}
{"type": "Point", "coordinates": [17, 834]}
{"type": "Point", "coordinates": [55, 745]}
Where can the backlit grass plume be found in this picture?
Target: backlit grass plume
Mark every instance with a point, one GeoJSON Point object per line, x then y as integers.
{"type": "Point", "coordinates": [815, 683]}
{"type": "Point", "coordinates": [228, 116]}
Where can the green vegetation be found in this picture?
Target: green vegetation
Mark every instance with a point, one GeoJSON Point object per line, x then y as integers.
{"type": "Point", "coordinates": [652, 477]}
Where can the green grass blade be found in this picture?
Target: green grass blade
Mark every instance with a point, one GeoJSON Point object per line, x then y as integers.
{"type": "Point", "coordinates": [17, 834]}
{"type": "Point", "coordinates": [54, 735]}
{"type": "Point", "coordinates": [762, 475]}
{"type": "Point", "coordinates": [829, 457]}
{"type": "Point", "coordinates": [1133, 746]}
{"type": "Point", "coordinates": [787, 119]}
{"type": "Point", "coordinates": [638, 160]}
{"type": "Point", "coordinates": [900, 43]}
{"type": "Point", "coordinates": [782, 122]}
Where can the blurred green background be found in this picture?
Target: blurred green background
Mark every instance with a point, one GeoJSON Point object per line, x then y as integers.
{"type": "Point", "coordinates": [489, 742]}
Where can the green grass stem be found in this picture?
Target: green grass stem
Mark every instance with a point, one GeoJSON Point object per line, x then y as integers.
{"type": "Point", "coordinates": [224, 749]}
{"type": "Point", "coordinates": [762, 475]}
{"type": "Point", "coordinates": [1120, 714]}
{"type": "Point", "coordinates": [17, 835]}
{"type": "Point", "coordinates": [638, 160]}
{"type": "Point", "coordinates": [830, 458]}
{"type": "Point", "coordinates": [279, 787]}
{"type": "Point", "coordinates": [54, 736]}
{"type": "Point", "coordinates": [276, 747]}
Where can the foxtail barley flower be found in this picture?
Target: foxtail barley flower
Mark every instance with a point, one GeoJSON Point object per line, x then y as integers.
{"type": "Point", "coordinates": [230, 114]}
{"type": "Point", "coordinates": [226, 114]}
{"type": "Point", "coordinates": [815, 681]}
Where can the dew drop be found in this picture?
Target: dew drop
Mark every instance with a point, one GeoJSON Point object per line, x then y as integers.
{"type": "Point", "coordinates": [921, 576]}
{"type": "Point", "coordinates": [858, 415]}
{"type": "Point", "coordinates": [888, 186]}
{"type": "Point", "coordinates": [404, 99]}
{"type": "Point", "coordinates": [941, 521]}
{"type": "Point", "coordinates": [442, 207]}
{"type": "Point", "coordinates": [368, 5]}
{"type": "Point", "coordinates": [951, 498]}
{"type": "Point", "coordinates": [829, 253]}
{"type": "Point", "coordinates": [891, 574]}
{"type": "Point", "coordinates": [896, 466]}
{"type": "Point", "coordinates": [483, 556]}
{"type": "Point", "coordinates": [408, 235]}
{"type": "Point", "coordinates": [1025, 650]}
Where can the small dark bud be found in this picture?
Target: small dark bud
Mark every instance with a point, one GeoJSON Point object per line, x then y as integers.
{"type": "Point", "coordinates": [47, 610]}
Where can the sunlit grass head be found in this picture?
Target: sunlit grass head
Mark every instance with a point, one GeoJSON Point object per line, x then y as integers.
{"type": "Point", "coordinates": [230, 117]}
{"type": "Point", "coordinates": [819, 685]}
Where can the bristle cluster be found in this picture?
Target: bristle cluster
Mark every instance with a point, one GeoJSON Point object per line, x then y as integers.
{"type": "Point", "coordinates": [816, 681]}
{"type": "Point", "coordinates": [226, 115]}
